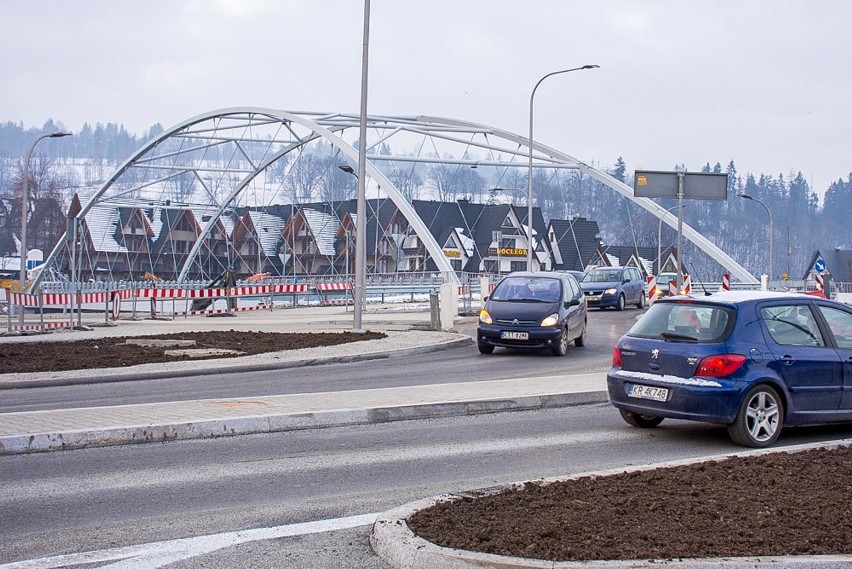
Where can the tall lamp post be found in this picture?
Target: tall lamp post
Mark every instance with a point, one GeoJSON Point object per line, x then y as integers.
{"type": "Point", "coordinates": [361, 203]}
{"type": "Point", "coordinates": [530, 172]}
{"type": "Point", "coordinates": [25, 199]}
{"type": "Point", "coordinates": [769, 213]}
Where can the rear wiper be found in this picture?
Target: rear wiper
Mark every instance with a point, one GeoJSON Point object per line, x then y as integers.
{"type": "Point", "coordinates": [678, 337]}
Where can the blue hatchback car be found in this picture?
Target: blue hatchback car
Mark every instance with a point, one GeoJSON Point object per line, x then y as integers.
{"type": "Point", "coordinates": [754, 361]}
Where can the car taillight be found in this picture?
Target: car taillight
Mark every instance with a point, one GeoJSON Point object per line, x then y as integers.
{"type": "Point", "coordinates": [616, 356]}
{"type": "Point", "coordinates": [720, 365]}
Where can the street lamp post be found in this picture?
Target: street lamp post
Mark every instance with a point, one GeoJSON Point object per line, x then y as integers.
{"type": "Point", "coordinates": [769, 213]}
{"type": "Point", "coordinates": [361, 203]}
{"type": "Point", "coordinates": [530, 144]}
{"type": "Point", "coordinates": [25, 198]}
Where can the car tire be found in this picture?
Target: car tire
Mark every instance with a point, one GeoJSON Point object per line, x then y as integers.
{"type": "Point", "coordinates": [641, 421]}
{"type": "Point", "coordinates": [641, 304]}
{"type": "Point", "coordinates": [485, 349]}
{"type": "Point", "coordinates": [759, 418]}
{"type": "Point", "coordinates": [580, 340]}
{"type": "Point", "coordinates": [621, 303]}
{"type": "Point", "coordinates": [562, 347]}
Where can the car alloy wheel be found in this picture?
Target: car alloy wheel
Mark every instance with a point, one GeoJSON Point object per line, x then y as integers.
{"type": "Point", "coordinates": [759, 419]}
{"type": "Point", "coordinates": [562, 348]}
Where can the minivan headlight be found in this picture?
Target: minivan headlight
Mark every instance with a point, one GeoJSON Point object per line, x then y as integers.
{"type": "Point", "coordinates": [550, 320]}
{"type": "Point", "coordinates": [484, 317]}
{"type": "Point", "coordinates": [610, 291]}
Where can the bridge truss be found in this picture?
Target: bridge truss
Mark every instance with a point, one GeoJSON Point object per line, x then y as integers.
{"type": "Point", "coordinates": [227, 162]}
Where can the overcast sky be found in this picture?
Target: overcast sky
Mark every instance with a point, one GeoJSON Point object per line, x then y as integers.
{"type": "Point", "coordinates": [765, 83]}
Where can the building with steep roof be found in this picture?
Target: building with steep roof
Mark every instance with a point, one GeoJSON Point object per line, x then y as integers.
{"type": "Point", "coordinates": [574, 242]}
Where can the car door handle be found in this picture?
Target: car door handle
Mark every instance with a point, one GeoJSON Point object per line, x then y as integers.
{"type": "Point", "coordinates": [788, 360]}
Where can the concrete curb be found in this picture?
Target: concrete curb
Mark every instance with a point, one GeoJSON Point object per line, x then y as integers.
{"type": "Point", "coordinates": [257, 424]}
{"type": "Point", "coordinates": [217, 366]}
{"type": "Point", "coordinates": [397, 545]}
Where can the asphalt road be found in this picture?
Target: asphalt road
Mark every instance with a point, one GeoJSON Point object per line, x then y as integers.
{"type": "Point", "coordinates": [460, 365]}
{"type": "Point", "coordinates": [96, 499]}
{"type": "Point", "coordinates": [306, 497]}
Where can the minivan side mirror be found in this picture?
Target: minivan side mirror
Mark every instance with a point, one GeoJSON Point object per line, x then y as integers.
{"type": "Point", "coordinates": [572, 302]}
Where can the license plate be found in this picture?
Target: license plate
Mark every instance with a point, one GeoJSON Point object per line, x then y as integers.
{"type": "Point", "coordinates": [648, 392]}
{"type": "Point", "coordinates": [506, 335]}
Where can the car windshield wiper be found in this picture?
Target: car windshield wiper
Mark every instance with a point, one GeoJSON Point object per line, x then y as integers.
{"type": "Point", "coordinates": [678, 337]}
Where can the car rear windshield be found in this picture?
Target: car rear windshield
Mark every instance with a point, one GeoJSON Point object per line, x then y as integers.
{"type": "Point", "coordinates": [685, 322]}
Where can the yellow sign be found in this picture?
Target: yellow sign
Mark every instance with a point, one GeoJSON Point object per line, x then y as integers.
{"type": "Point", "coordinates": [509, 252]}
{"type": "Point", "coordinates": [641, 180]}
{"type": "Point", "coordinates": [451, 253]}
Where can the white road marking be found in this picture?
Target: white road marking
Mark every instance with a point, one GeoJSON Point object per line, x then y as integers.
{"type": "Point", "coordinates": [162, 553]}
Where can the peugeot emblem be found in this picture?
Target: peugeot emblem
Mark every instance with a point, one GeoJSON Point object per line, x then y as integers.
{"type": "Point", "coordinates": [655, 354]}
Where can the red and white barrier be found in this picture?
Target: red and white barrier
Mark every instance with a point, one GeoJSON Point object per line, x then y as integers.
{"type": "Point", "coordinates": [726, 281]}
{"type": "Point", "coordinates": [687, 284]}
{"type": "Point", "coordinates": [651, 284]}
{"type": "Point", "coordinates": [323, 287]}
{"type": "Point", "coordinates": [673, 288]}
{"type": "Point", "coordinates": [22, 299]}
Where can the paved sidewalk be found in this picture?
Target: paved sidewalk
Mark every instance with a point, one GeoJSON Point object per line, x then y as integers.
{"type": "Point", "coordinates": [63, 429]}
{"type": "Point", "coordinates": [47, 430]}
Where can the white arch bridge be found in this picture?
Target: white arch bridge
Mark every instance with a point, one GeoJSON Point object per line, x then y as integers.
{"type": "Point", "coordinates": [229, 163]}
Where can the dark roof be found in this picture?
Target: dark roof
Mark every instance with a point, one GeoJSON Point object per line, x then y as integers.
{"type": "Point", "coordinates": [838, 263]}
{"type": "Point", "coordinates": [577, 240]}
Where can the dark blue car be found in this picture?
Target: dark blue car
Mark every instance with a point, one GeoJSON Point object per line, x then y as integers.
{"type": "Point", "coordinates": [533, 310]}
{"type": "Point", "coordinates": [754, 361]}
{"type": "Point", "coordinates": [613, 287]}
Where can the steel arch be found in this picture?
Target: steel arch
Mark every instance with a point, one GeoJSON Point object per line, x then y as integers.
{"type": "Point", "coordinates": [214, 130]}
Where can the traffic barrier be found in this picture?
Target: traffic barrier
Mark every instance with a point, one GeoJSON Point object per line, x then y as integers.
{"type": "Point", "coordinates": [20, 302]}
{"type": "Point", "coordinates": [324, 289]}
{"type": "Point", "coordinates": [820, 282]}
{"type": "Point", "coordinates": [672, 288]}
{"type": "Point", "coordinates": [687, 284]}
{"type": "Point", "coordinates": [651, 284]}
{"type": "Point", "coordinates": [726, 281]}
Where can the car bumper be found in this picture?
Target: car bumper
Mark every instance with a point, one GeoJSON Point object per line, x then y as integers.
{"type": "Point", "coordinates": [602, 301]}
{"type": "Point", "coordinates": [539, 338]}
{"type": "Point", "coordinates": [693, 399]}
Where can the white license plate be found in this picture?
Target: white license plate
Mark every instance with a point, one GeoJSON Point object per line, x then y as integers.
{"type": "Point", "coordinates": [648, 392]}
{"type": "Point", "coordinates": [515, 335]}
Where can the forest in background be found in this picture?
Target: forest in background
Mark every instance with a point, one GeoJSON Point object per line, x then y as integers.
{"type": "Point", "coordinates": [802, 222]}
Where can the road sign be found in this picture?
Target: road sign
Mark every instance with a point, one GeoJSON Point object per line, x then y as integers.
{"type": "Point", "coordinates": [696, 186]}
{"type": "Point", "coordinates": [819, 266]}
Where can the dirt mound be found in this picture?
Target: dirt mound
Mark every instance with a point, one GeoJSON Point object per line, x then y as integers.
{"type": "Point", "coordinates": [774, 504]}
{"type": "Point", "coordinates": [22, 357]}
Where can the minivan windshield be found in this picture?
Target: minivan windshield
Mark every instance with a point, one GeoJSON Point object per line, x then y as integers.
{"type": "Point", "coordinates": [602, 276]}
{"type": "Point", "coordinates": [528, 289]}
{"type": "Point", "coordinates": [685, 322]}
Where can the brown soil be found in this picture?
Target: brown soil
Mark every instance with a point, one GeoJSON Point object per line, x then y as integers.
{"type": "Point", "coordinates": [113, 352]}
{"type": "Point", "coordinates": [775, 504]}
